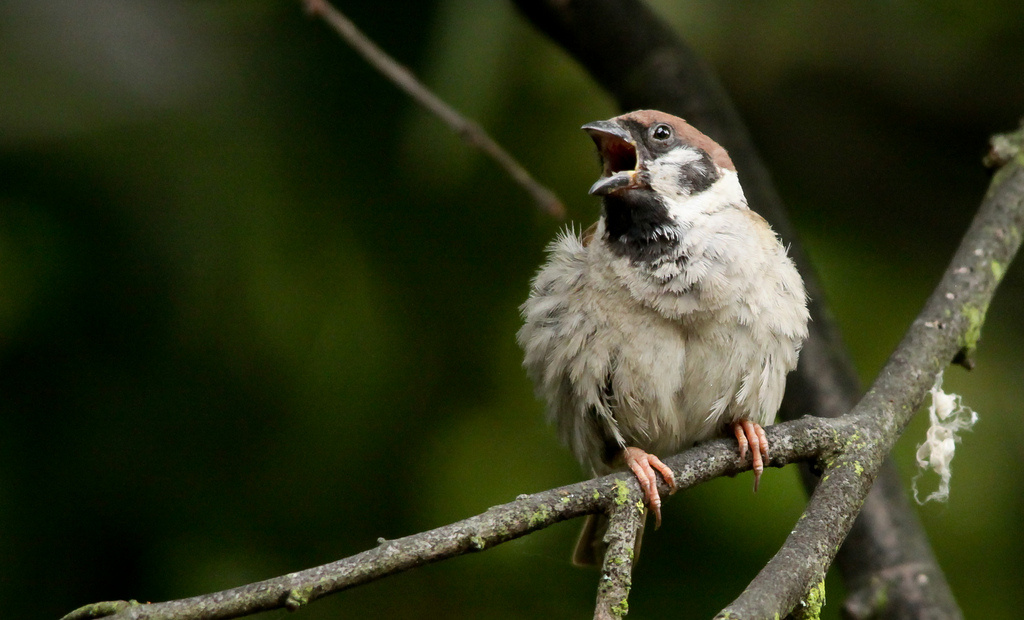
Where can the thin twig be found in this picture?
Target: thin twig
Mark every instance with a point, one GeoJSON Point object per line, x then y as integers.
{"type": "Point", "coordinates": [469, 131]}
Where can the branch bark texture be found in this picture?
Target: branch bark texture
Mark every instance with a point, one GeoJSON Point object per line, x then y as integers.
{"type": "Point", "coordinates": [626, 521]}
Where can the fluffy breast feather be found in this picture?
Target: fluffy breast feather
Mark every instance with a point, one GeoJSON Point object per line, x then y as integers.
{"type": "Point", "coordinates": [660, 356]}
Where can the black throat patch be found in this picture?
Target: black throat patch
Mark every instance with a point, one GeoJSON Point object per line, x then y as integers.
{"type": "Point", "coordinates": [638, 226]}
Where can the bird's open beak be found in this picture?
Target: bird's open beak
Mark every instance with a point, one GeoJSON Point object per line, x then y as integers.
{"type": "Point", "coordinates": [618, 153]}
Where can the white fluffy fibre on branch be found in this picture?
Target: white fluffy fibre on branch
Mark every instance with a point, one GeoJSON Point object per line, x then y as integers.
{"type": "Point", "coordinates": [948, 417]}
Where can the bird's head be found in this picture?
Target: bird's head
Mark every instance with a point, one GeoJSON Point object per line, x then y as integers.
{"type": "Point", "coordinates": [658, 174]}
{"type": "Point", "coordinates": [654, 151]}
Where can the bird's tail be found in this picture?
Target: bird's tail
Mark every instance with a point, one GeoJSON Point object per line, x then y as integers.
{"type": "Point", "coordinates": [591, 545]}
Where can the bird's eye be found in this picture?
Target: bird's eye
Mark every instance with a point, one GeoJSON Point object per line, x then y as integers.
{"type": "Point", "coordinates": [661, 132]}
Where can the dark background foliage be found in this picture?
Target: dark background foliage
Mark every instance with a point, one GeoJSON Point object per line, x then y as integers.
{"type": "Point", "coordinates": [257, 309]}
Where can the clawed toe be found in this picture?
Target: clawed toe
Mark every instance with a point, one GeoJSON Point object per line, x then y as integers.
{"type": "Point", "coordinates": [751, 434]}
{"type": "Point", "coordinates": [644, 466]}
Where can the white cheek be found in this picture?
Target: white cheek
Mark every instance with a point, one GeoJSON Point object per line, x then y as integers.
{"type": "Point", "coordinates": [725, 191]}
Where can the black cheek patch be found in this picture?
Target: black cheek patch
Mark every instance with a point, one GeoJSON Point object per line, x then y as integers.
{"type": "Point", "coordinates": [699, 175]}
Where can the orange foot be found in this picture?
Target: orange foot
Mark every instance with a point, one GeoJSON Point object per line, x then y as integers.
{"type": "Point", "coordinates": [643, 466]}
{"type": "Point", "coordinates": [751, 433]}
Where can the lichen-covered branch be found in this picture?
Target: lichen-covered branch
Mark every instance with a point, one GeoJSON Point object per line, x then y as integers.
{"type": "Point", "coordinates": [791, 442]}
{"type": "Point", "coordinates": [626, 521]}
{"type": "Point", "coordinates": [947, 328]}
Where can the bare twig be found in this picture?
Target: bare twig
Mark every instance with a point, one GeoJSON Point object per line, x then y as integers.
{"type": "Point", "coordinates": [469, 131]}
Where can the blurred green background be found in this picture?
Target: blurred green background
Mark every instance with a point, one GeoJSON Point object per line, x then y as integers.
{"type": "Point", "coordinates": [258, 310]}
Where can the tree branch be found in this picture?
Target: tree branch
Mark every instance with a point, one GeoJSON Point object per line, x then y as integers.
{"type": "Point", "coordinates": [947, 328]}
{"type": "Point", "coordinates": [615, 494]}
{"type": "Point", "coordinates": [626, 520]}
{"type": "Point", "coordinates": [470, 132]}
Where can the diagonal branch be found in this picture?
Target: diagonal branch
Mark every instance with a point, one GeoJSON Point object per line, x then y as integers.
{"type": "Point", "coordinates": [947, 328]}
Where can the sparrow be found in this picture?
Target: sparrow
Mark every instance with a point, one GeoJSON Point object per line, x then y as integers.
{"type": "Point", "coordinates": [674, 319]}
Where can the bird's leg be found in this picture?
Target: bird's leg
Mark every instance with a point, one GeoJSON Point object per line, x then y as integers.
{"type": "Point", "coordinates": [643, 466]}
{"type": "Point", "coordinates": [751, 433]}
